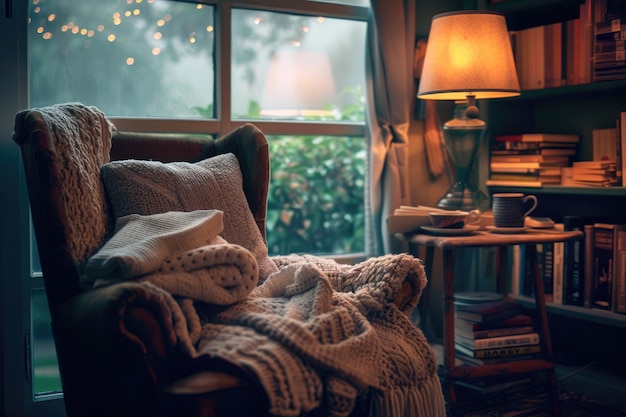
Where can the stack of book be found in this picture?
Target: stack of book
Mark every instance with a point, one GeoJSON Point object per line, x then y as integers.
{"type": "Point", "coordinates": [531, 160]}
{"type": "Point", "coordinates": [609, 35]}
{"type": "Point", "coordinates": [494, 332]}
{"type": "Point", "coordinates": [594, 173]}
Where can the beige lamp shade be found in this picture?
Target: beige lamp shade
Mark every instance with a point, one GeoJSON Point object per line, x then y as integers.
{"type": "Point", "coordinates": [299, 83]}
{"type": "Point", "coordinates": [468, 53]}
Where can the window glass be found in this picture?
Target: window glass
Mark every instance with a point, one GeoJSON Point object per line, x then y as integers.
{"type": "Point", "coordinates": [129, 58]}
{"type": "Point", "coordinates": [46, 378]}
{"type": "Point", "coordinates": [287, 66]}
{"type": "Point", "coordinates": [316, 195]}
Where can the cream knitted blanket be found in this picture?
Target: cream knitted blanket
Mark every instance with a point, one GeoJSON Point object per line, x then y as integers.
{"type": "Point", "coordinates": [320, 334]}
{"type": "Point", "coordinates": [314, 334]}
{"type": "Point", "coordinates": [179, 252]}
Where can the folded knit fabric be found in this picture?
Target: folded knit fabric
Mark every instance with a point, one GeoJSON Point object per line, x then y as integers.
{"type": "Point", "coordinates": [140, 244]}
{"type": "Point", "coordinates": [220, 273]}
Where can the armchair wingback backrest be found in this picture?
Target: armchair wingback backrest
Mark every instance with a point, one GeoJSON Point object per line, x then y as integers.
{"type": "Point", "coordinates": [63, 148]}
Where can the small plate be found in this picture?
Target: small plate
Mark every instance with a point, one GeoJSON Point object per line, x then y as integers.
{"type": "Point", "coordinates": [441, 231]}
{"type": "Point", "coordinates": [506, 230]}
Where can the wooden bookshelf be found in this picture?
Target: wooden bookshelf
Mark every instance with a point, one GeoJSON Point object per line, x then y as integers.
{"type": "Point", "coordinates": [578, 109]}
{"type": "Point", "coordinates": [576, 312]}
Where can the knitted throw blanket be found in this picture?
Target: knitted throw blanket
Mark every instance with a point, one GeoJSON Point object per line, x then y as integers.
{"type": "Point", "coordinates": [179, 252]}
{"type": "Point", "coordinates": [333, 326]}
{"type": "Point", "coordinates": [314, 334]}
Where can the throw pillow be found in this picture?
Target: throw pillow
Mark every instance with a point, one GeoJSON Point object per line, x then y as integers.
{"type": "Point", "coordinates": [151, 187]}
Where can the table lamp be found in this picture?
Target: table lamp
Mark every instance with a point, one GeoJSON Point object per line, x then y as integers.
{"type": "Point", "coordinates": [468, 57]}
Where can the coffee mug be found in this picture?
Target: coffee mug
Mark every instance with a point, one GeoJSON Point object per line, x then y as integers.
{"type": "Point", "coordinates": [453, 219]}
{"type": "Point", "coordinates": [510, 209]}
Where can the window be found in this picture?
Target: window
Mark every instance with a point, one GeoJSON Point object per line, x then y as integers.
{"type": "Point", "coordinates": [296, 69]}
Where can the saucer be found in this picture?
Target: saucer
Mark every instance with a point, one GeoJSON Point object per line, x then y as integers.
{"type": "Point", "coordinates": [442, 231]}
{"type": "Point", "coordinates": [506, 230]}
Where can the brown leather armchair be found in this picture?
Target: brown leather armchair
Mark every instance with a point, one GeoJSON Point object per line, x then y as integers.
{"type": "Point", "coordinates": [113, 351]}
{"type": "Point", "coordinates": [115, 348]}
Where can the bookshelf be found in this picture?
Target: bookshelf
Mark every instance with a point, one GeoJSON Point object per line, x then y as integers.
{"type": "Point", "coordinates": [574, 108]}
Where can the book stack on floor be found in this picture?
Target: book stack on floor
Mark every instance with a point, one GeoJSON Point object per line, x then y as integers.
{"type": "Point", "coordinates": [595, 173]}
{"type": "Point", "coordinates": [494, 332]}
{"type": "Point", "coordinates": [531, 160]}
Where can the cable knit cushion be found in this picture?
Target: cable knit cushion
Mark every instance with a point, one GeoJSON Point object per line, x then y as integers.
{"type": "Point", "coordinates": [151, 187]}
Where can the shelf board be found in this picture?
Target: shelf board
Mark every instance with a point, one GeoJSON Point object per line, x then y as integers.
{"type": "Point", "coordinates": [581, 313]}
{"type": "Point", "coordinates": [522, 14]}
{"type": "Point", "coordinates": [580, 90]}
{"type": "Point", "coordinates": [565, 190]}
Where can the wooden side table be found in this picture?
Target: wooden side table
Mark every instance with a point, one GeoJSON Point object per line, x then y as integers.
{"type": "Point", "coordinates": [447, 244]}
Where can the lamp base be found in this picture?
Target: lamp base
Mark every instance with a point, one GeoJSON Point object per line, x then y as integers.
{"type": "Point", "coordinates": [463, 197]}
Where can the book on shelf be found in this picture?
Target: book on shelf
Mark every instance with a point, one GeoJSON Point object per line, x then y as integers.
{"type": "Point", "coordinates": [560, 148]}
{"type": "Point", "coordinates": [620, 273]}
{"type": "Point", "coordinates": [574, 262]}
{"type": "Point", "coordinates": [517, 183]}
{"type": "Point", "coordinates": [523, 339]}
{"type": "Point", "coordinates": [546, 171]}
{"type": "Point", "coordinates": [498, 352]}
{"type": "Point", "coordinates": [539, 137]}
{"type": "Point", "coordinates": [621, 147]}
{"type": "Point", "coordinates": [489, 312]}
{"type": "Point", "coordinates": [536, 176]}
{"type": "Point", "coordinates": [588, 278]}
{"type": "Point", "coordinates": [551, 159]}
{"type": "Point", "coordinates": [544, 151]}
{"type": "Point", "coordinates": [594, 173]}
{"type": "Point", "coordinates": [604, 144]}
{"type": "Point", "coordinates": [512, 166]}
{"type": "Point", "coordinates": [559, 267]}
{"type": "Point", "coordinates": [545, 260]}
{"type": "Point", "coordinates": [604, 255]}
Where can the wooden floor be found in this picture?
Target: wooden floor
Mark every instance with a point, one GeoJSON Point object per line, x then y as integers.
{"type": "Point", "coordinates": [597, 381]}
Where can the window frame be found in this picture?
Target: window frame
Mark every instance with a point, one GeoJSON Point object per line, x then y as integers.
{"type": "Point", "coordinates": [224, 123]}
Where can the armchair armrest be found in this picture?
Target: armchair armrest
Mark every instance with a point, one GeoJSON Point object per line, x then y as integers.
{"type": "Point", "coordinates": [119, 319]}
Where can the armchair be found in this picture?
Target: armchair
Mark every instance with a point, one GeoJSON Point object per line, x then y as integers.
{"type": "Point", "coordinates": [118, 344]}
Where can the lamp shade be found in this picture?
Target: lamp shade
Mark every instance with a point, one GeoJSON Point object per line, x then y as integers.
{"type": "Point", "coordinates": [299, 83]}
{"type": "Point", "coordinates": [468, 53]}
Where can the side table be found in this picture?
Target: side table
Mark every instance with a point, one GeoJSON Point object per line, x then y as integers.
{"type": "Point", "coordinates": [448, 244]}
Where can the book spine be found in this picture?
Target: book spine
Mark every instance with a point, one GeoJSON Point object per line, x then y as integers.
{"type": "Point", "coordinates": [588, 264]}
{"type": "Point", "coordinates": [502, 341]}
{"type": "Point", "coordinates": [620, 274]}
{"type": "Point", "coordinates": [507, 351]}
{"type": "Point", "coordinates": [546, 264]}
{"type": "Point", "coordinates": [573, 274]}
{"type": "Point", "coordinates": [484, 334]}
{"type": "Point", "coordinates": [558, 270]}
{"type": "Point", "coordinates": [621, 134]}
{"type": "Point", "coordinates": [603, 248]}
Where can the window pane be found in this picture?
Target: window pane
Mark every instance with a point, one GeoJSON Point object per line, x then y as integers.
{"type": "Point", "coordinates": [297, 67]}
{"type": "Point", "coordinates": [143, 58]}
{"type": "Point", "coordinates": [316, 195]}
{"type": "Point", "coordinates": [46, 378]}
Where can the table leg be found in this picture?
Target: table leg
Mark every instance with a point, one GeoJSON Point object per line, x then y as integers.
{"type": "Point", "coordinates": [540, 303]}
{"type": "Point", "coordinates": [424, 303]}
{"type": "Point", "coordinates": [448, 322]}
